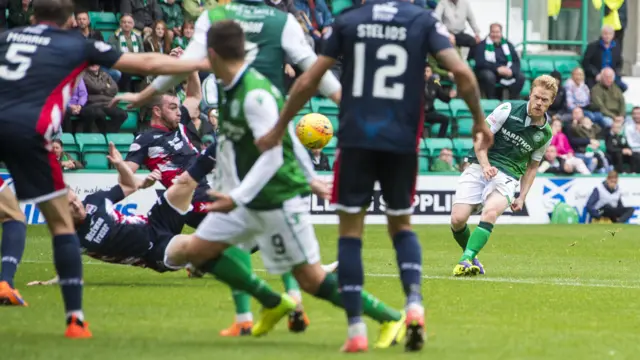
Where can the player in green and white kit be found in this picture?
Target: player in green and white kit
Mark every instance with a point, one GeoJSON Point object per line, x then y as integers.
{"type": "Point", "coordinates": [272, 36]}
{"type": "Point", "coordinates": [261, 197]}
{"type": "Point", "coordinates": [521, 136]}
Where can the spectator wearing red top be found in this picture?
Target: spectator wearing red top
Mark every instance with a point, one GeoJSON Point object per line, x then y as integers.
{"type": "Point", "coordinates": [564, 150]}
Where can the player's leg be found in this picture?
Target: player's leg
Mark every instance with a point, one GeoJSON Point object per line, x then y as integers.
{"type": "Point", "coordinates": [354, 178]}
{"type": "Point", "coordinates": [40, 180]}
{"type": "Point", "coordinates": [290, 242]}
{"type": "Point", "coordinates": [14, 232]}
{"type": "Point", "coordinates": [469, 193]}
{"type": "Point", "coordinates": [243, 322]}
{"type": "Point", "coordinates": [397, 174]}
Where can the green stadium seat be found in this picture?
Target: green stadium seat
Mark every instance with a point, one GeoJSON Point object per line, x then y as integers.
{"type": "Point", "coordinates": [442, 108]}
{"type": "Point", "coordinates": [525, 68]}
{"type": "Point", "coordinates": [526, 89]}
{"type": "Point", "coordinates": [423, 164]}
{"type": "Point", "coordinates": [461, 147]}
{"type": "Point", "coordinates": [435, 129]}
{"type": "Point", "coordinates": [489, 105]}
{"type": "Point", "coordinates": [464, 127]}
{"type": "Point", "coordinates": [70, 146]}
{"type": "Point", "coordinates": [334, 122]}
{"type": "Point", "coordinates": [121, 141]}
{"type": "Point", "coordinates": [103, 21]}
{"type": "Point", "coordinates": [296, 119]}
{"type": "Point", "coordinates": [516, 102]}
{"type": "Point", "coordinates": [629, 108]}
{"type": "Point", "coordinates": [472, 63]}
{"type": "Point", "coordinates": [333, 143]}
{"type": "Point", "coordinates": [324, 106]}
{"type": "Point", "coordinates": [541, 67]}
{"type": "Point", "coordinates": [435, 145]}
{"type": "Point", "coordinates": [131, 124]}
{"type": "Point", "coordinates": [106, 34]}
{"type": "Point", "coordinates": [566, 66]}
{"type": "Point", "coordinates": [92, 143]}
{"type": "Point", "coordinates": [96, 161]}
{"type": "Point", "coordinates": [459, 108]}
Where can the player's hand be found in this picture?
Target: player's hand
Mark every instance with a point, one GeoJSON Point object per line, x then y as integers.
{"type": "Point", "coordinates": [114, 156]}
{"type": "Point", "coordinates": [151, 179]}
{"type": "Point", "coordinates": [489, 172]}
{"type": "Point", "coordinates": [221, 202]}
{"type": "Point", "coordinates": [482, 137]}
{"type": "Point", "coordinates": [321, 188]}
{"type": "Point", "coordinates": [176, 52]}
{"type": "Point", "coordinates": [269, 140]}
{"type": "Point", "coordinates": [517, 205]}
{"type": "Point", "coordinates": [134, 99]}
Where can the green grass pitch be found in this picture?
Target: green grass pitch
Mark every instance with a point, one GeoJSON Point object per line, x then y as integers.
{"type": "Point", "coordinates": [551, 292]}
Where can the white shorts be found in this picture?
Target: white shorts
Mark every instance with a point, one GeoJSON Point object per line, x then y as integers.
{"type": "Point", "coordinates": [473, 188]}
{"type": "Point", "coordinates": [285, 236]}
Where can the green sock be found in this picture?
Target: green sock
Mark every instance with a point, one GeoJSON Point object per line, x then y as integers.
{"type": "Point", "coordinates": [462, 236]}
{"type": "Point", "coordinates": [231, 268]}
{"type": "Point", "coordinates": [241, 299]}
{"type": "Point", "coordinates": [477, 241]}
{"type": "Point", "coordinates": [290, 283]}
{"type": "Point", "coordinates": [371, 306]}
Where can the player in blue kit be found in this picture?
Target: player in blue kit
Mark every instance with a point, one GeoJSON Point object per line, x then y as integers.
{"type": "Point", "coordinates": [39, 67]}
{"type": "Point", "coordinates": [383, 46]}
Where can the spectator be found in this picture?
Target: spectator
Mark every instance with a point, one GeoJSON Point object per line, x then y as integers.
{"type": "Point", "coordinates": [579, 95]}
{"type": "Point", "coordinates": [587, 132]}
{"type": "Point", "coordinates": [283, 5]}
{"type": "Point", "coordinates": [444, 162]}
{"type": "Point", "coordinates": [563, 148]}
{"type": "Point", "coordinates": [632, 134]}
{"type": "Point", "coordinates": [84, 26]}
{"type": "Point", "coordinates": [213, 119]}
{"type": "Point", "coordinates": [553, 164]}
{"type": "Point", "coordinates": [127, 40]}
{"type": "Point", "coordinates": [319, 16]}
{"type": "Point", "coordinates": [159, 41]}
{"type": "Point", "coordinates": [196, 129]}
{"type": "Point", "coordinates": [65, 160]}
{"type": "Point", "coordinates": [143, 12]}
{"type": "Point", "coordinates": [20, 13]}
{"type": "Point", "coordinates": [320, 160]}
{"type": "Point", "coordinates": [606, 201]}
{"type": "Point", "coordinates": [559, 105]}
{"type": "Point", "coordinates": [186, 33]}
{"type": "Point", "coordinates": [618, 150]}
{"type": "Point", "coordinates": [608, 99]}
{"type": "Point", "coordinates": [432, 91]}
{"type": "Point", "coordinates": [601, 54]}
{"type": "Point", "coordinates": [76, 103]}
{"type": "Point", "coordinates": [439, 71]}
{"type": "Point", "coordinates": [101, 89]}
{"type": "Point", "coordinates": [172, 15]}
{"type": "Point", "coordinates": [498, 65]}
{"type": "Point", "coordinates": [454, 15]}
{"type": "Point", "coordinates": [193, 8]}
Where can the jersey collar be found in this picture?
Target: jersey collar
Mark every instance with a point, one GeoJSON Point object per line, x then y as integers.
{"type": "Point", "coordinates": [237, 78]}
{"type": "Point", "coordinates": [527, 121]}
{"type": "Point", "coordinates": [160, 127]}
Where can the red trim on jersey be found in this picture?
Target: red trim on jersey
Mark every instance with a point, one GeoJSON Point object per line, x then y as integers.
{"type": "Point", "coordinates": [160, 127]}
{"type": "Point", "coordinates": [183, 132]}
{"type": "Point", "coordinates": [336, 178]}
{"type": "Point", "coordinates": [1, 182]}
{"type": "Point", "coordinates": [51, 117]}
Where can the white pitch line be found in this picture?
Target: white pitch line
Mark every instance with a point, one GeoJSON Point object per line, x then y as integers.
{"type": "Point", "coordinates": [555, 282]}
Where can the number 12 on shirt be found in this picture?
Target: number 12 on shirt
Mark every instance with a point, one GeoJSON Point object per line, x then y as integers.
{"type": "Point", "coordinates": [395, 91]}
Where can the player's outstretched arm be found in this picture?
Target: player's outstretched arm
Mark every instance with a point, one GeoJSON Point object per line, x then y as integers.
{"type": "Point", "coordinates": [301, 91]}
{"type": "Point", "coordinates": [126, 179]}
{"type": "Point", "coordinates": [157, 64]}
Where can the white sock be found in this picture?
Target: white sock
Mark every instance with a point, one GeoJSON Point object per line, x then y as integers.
{"type": "Point", "coordinates": [415, 307]}
{"type": "Point", "coordinates": [297, 296]}
{"type": "Point", "coordinates": [357, 329]}
{"type": "Point", "coordinates": [77, 313]}
{"type": "Point", "coordinates": [240, 318]}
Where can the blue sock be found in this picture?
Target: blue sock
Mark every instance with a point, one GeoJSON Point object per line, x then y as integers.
{"type": "Point", "coordinates": [204, 164]}
{"type": "Point", "coordinates": [409, 257]}
{"type": "Point", "coordinates": [351, 277]}
{"type": "Point", "coordinates": [14, 234]}
{"type": "Point", "coordinates": [68, 263]}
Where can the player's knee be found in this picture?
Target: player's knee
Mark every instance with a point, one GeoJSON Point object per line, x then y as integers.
{"type": "Point", "coordinates": [309, 277]}
{"type": "Point", "coordinates": [489, 215]}
{"type": "Point", "coordinates": [199, 251]}
{"type": "Point", "coordinates": [458, 220]}
{"type": "Point", "coordinates": [176, 252]}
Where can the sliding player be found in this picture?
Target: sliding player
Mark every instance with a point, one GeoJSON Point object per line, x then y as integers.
{"type": "Point", "coordinates": [522, 135]}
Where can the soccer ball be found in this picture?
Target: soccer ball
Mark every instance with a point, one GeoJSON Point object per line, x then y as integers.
{"type": "Point", "coordinates": [314, 131]}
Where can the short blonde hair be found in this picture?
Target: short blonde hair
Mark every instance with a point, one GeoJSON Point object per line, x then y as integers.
{"type": "Point", "coordinates": [547, 82]}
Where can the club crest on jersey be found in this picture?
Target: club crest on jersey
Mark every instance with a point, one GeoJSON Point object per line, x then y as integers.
{"type": "Point", "coordinates": [102, 46]}
{"type": "Point", "coordinates": [91, 209]}
{"type": "Point", "coordinates": [537, 137]}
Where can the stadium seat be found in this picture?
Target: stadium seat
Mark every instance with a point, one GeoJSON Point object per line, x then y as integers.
{"type": "Point", "coordinates": [92, 143]}
{"type": "Point", "coordinates": [516, 102]}
{"type": "Point", "coordinates": [423, 164]}
{"type": "Point", "coordinates": [103, 21]}
{"type": "Point", "coordinates": [435, 128]}
{"type": "Point", "coordinates": [629, 108]}
{"type": "Point", "coordinates": [96, 161]}
{"type": "Point", "coordinates": [525, 68]}
{"type": "Point", "coordinates": [442, 108]}
{"type": "Point", "coordinates": [106, 34]}
{"type": "Point", "coordinates": [334, 122]}
{"type": "Point", "coordinates": [131, 124]}
{"type": "Point", "coordinates": [70, 146]}
{"type": "Point", "coordinates": [566, 66]}
{"type": "Point", "coordinates": [435, 145]}
{"type": "Point", "coordinates": [121, 141]}
{"type": "Point", "coordinates": [324, 106]}
{"type": "Point", "coordinates": [526, 89]}
{"type": "Point", "coordinates": [459, 108]}
{"type": "Point", "coordinates": [489, 105]}
{"type": "Point", "coordinates": [296, 119]}
{"type": "Point", "coordinates": [541, 67]}
{"type": "Point", "coordinates": [461, 147]}
{"type": "Point", "coordinates": [464, 127]}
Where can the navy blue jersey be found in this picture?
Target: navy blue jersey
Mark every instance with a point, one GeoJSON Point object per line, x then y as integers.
{"type": "Point", "coordinates": [383, 46]}
{"type": "Point", "coordinates": [110, 233]}
{"type": "Point", "coordinates": [39, 66]}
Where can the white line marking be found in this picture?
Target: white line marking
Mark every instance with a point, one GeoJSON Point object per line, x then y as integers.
{"type": "Point", "coordinates": [595, 283]}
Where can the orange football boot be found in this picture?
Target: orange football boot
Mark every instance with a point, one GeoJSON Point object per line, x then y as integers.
{"type": "Point", "coordinates": [77, 329]}
{"type": "Point", "coordinates": [416, 334]}
{"type": "Point", "coordinates": [238, 329]}
{"type": "Point", "coordinates": [10, 296]}
{"type": "Point", "coordinates": [356, 344]}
